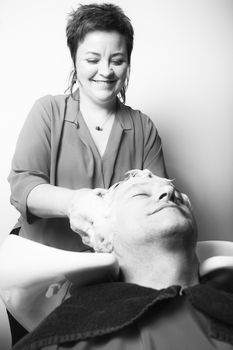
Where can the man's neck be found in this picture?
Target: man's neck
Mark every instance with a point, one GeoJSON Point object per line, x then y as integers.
{"type": "Point", "coordinates": [161, 270]}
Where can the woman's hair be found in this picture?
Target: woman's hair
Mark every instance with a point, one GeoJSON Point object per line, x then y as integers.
{"type": "Point", "coordinates": [92, 17]}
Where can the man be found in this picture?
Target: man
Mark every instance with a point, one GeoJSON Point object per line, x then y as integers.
{"type": "Point", "coordinates": [158, 301]}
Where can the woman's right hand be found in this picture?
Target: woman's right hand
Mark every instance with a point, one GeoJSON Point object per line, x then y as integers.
{"type": "Point", "coordinates": [84, 206]}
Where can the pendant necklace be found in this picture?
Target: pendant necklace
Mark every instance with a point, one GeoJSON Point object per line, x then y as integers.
{"type": "Point", "coordinates": [106, 119]}
{"type": "Point", "coordinates": [101, 127]}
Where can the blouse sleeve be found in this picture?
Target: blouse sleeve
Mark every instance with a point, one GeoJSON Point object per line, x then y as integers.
{"type": "Point", "coordinates": [153, 152]}
{"type": "Point", "coordinates": [31, 161]}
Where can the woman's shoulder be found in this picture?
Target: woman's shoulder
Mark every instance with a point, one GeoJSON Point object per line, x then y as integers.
{"type": "Point", "coordinates": [46, 111]}
{"type": "Point", "coordinates": [138, 116]}
{"type": "Point", "coordinates": [52, 100]}
{"type": "Point", "coordinates": [137, 113]}
{"type": "Point", "coordinates": [49, 108]}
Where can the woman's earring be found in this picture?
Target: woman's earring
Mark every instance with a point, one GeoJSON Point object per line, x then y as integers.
{"type": "Point", "coordinates": [122, 94]}
{"type": "Point", "coordinates": [123, 90]}
{"type": "Point", "coordinates": [73, 81]}
{"type": "Point", "coordinates": [74, 77]}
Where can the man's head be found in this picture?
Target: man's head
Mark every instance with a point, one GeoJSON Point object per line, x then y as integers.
{"type": "Point", "coordinates": [143, 210]}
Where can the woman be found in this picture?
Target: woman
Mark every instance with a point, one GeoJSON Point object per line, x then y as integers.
{"type": "Point", "coordinates": [74, 146]}
{"type": "Point", "coordinates": [87, 139]}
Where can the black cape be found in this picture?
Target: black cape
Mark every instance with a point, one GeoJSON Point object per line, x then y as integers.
{"type": "Point", "coordinates": [106, 308]}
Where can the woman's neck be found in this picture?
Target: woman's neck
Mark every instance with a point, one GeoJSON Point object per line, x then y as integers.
{"type": "Point", "coordinates": [90, 107]}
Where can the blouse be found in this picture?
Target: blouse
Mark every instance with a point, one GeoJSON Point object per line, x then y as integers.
{"type": "Point", "coordinates": [55, 147]}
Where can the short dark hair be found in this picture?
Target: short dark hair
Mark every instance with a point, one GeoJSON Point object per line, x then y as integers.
{"type": "Point", "coordinates": [103, 17]}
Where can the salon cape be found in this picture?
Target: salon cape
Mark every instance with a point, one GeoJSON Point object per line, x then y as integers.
{"type": "Point", "coordinates": [127, 316]}
{"type": "Point", "coordinates": [55, 147]}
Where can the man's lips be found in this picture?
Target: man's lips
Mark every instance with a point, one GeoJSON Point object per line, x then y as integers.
{"type": "Point", "coordinates": [165, 206]}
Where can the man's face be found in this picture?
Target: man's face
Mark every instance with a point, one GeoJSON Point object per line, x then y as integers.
{"type": "Point", "coordinates": [146, 208]}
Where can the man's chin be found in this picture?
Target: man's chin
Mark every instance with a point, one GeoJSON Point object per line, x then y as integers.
{"type": "Point", "coordinates": [176, 225]}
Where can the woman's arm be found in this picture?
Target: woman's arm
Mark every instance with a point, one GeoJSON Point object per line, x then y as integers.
{"type": "Point", "coordinates": [48, 201]}
{"type": "Point", "coordinates": [31, 163]}
{"type": "Point", "coordinates": [33, 191]}
{"type": "Point", "coordinates": [80, 206]}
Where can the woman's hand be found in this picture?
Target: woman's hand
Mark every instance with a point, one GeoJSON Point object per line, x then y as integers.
{"type": "Point", "coordinates": [84, 207]}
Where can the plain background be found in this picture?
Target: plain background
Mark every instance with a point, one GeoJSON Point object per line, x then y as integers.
{"type": "Point", "coordinates": [181, 76]}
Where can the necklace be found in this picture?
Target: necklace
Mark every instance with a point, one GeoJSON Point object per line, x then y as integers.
{"type": "Point", "coordinates": [101, 126]}
{"type": "Point", "coordinates": [98, 128]}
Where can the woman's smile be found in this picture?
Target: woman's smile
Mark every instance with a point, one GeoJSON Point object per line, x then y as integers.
{"type": "Point", "coordinates": [104, 83]}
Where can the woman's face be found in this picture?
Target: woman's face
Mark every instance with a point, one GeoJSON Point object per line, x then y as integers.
{"type": "Point", "coordinates": [102, 65]}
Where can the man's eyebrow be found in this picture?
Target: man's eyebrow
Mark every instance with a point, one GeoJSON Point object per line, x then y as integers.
{"type": "Point", "coordinates": [139, 186]}
{"type": "Point", "coordinates": [120, 185]}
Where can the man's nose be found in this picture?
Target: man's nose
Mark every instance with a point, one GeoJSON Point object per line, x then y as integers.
{"type": "Point", "coordinates": [166, 193]}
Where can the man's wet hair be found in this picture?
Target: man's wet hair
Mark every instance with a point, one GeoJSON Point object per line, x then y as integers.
{"type": "Point", "coordinates": [134, 173]}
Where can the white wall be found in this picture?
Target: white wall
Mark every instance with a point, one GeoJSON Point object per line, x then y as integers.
{"type": "Point", "coordinates": [182, 76]}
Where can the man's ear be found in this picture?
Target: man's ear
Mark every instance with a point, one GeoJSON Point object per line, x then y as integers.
{"type": "Point", "coordinates": [102, 234]}
{"type": "Point", "coordinates": [87, 234]}
{"type": "Point", "coordinates": [98, 233]}
{"type": "Point", "coordinates": [97, 230]}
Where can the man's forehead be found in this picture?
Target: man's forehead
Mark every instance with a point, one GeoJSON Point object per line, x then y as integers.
{"type": "Point", "coordinates": [137, 179]}
{"type": "Point", "coordinates": [143, 182]}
